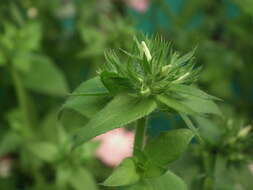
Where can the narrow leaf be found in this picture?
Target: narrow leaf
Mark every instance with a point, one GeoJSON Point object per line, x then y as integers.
{"type": "Point", "coordinates": [200, 105]}
{"type": "Point", "coordinates": [123, 109]}
{"type": "Point", "coordinates": [124, 174]}
{"type": "Point", "coordinates": [175, 104]}
{"type": "Point", "coordinates": [185, 89]}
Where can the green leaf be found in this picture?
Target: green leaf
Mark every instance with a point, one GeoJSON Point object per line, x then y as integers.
{"type": "Point", "coordinates": [44, 77]}
{"type": "Point", "coordinates": [92, 87]}
{"type": "Point", "coordinates": [44, 150]}
{"type": "Point", "coordinates": [123, 109]}
{"type": "Point", "coordinates": [114, 83]}
{"type": "Point", "coordinates": [22, 61]}
{"type": "Point", "coordinates": [76, 177]}
{"type": "Point", "coordinates": [190, 90]}
{"type": "Point", "coordinates": [168, 181]}
{"type": "Point", "coordinates": [200, 105]}
{"type": "Point", "coordinates": [28, 38]}
{"type": "Point", "coordinates": [72, 120]}
{"type": "Point", "coordinates": [90, 99]}
{"type": "Point", "coordinates": [175, 104]}
{"type": "Point", "coordinates": [10, 142]}
{"type": "Point", "coordinates": [124, 174]}
{"type": "Point", "coordinates": [208, 130]}
{"type": "Point", "coordinates": [141, 185]}
{"type": "Point", "coordinates": [81, 179]}
{"type": "Point", "coordinates": [189, 124]}
{"type": "Point", "coordinates": [168, 146]}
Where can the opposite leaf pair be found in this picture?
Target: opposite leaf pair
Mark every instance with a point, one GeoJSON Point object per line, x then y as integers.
{"type": "Point", "coordinates": [148, 168]}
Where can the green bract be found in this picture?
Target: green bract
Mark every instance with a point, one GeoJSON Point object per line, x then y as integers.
{"type": "Point", "coordinates": [150, 69]}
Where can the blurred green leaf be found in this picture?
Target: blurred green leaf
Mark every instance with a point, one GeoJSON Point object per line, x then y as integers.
{"type": "Point", "coordinates": [9, 143]}
{"type": "Point", "coordinates": [44, 77]}
{"type": "Point", "coordinates": [124, 174]}
{"type": "Point", "coordinates": [81, 179]}
{"type": "Point", "coordinates": [29, 36]}
{"type": "Point", "coordinates": [208, 130]}
{"type": "Point", "coordinates": [44, 150]}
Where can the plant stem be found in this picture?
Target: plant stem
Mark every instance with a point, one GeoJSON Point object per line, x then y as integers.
{"type": "Point", "coordinates": [21, 97]}
{"type": "Point", "coordinates": [208, 162]}
{"type": "Point", "coordinates": [140, 135]}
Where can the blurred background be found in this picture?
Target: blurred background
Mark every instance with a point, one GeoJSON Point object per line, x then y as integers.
{"type": "Point", "coordinates": [47, 48]}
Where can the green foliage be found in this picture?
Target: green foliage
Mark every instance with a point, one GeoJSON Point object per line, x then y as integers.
{"type": "Point", "coordinates": [148, 169]}
{"type": "Point", "coordinates": [54, 82]}
{"type": "Point", "coordinates": [95, 98]}
{"type": "Point", "coordinates": [115, 114]}
{"type": "Point", "coordinates": [144, 78]}
{"type": "Point", "coordinates": [124, 174]}
{"type": "Point", "coordinates": [168, 180]}
{"type": "Point", "coordinates": [49, 47]}
{"type": "Point", "coordinates": [171, 145]}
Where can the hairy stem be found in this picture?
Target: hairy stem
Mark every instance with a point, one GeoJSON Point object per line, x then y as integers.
{"type": "Point", "coordinates": [140, 135]}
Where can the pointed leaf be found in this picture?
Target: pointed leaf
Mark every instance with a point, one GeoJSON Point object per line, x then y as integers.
{"type": "Point", "coordinates": [168, 147]}
{"type": "Point", "coordinates": [81, 179]}
{"type": "Point", "coordinates": [123, 109]}
{"type": "Point", "coordinates": [168, 181]}
{"type": "Point", "coordinates": [90, 98]}
{"type": "Point", "coordinates": [200, 105]}
{"type": "Point", "coordinates": [175, 104]}
{"type": "Point", "coordinates": [124, 174]}
{"type": "Point", "coordinates": [190, 90]}
{"type": "Point", "coordinates": [91, 87]}
{"type": "Point", "coordinates": [44, 150]}
{"type": "Point", "coordinates": [210, 131]}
